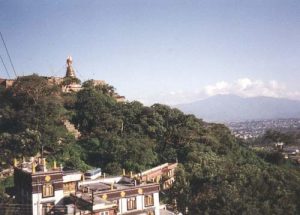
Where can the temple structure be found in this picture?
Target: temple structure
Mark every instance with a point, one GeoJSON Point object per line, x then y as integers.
{"type": "Point", "coordinates": [69, 83]}
{"type": "Point", "coordinates": [70, 71]}
{"type": "Point", "coordinates": [37, 187]}
{"type": "Point", "coordinates": [43, 189]}
{"type": "Point", "coordinates": [164, 173]}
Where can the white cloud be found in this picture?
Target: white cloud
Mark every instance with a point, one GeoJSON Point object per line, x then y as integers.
{"type": "Point", "coordinates": [221, 86]}
{"type": "Point", "coordinates": [244, 83]}
{"type": "Point", "coordinates": [244, 87]}
{"type": "Point", "coordinates": [248, 88]}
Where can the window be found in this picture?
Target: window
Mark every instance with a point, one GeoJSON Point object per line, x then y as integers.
{"type": "Point", "coordinates": [149, 200]}
{"type": "Point", "coordinates": [48, 190]}
{"type": "Point", "coordinates": [104, 213]}
{"type": "Point", "coordinates": [47, 208]}
{"type": "Point", "coordinates": [69, 187]}
{"type": "Point", "coordinates": [117, 203]}
{"type": "Point", "coordinates": [131, 203]}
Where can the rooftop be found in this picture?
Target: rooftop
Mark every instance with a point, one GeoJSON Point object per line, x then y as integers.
{"type": "Point", "coordinates": [36, 166]}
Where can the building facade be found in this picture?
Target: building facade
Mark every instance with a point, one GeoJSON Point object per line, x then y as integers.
{"type": "Point", "coordinates": [38, 188]}
{"type": "Point", "coordinates": [42, 191]}
{"type": "Point", "coordinates": [164, 174]}
{"type": "Point", "coordinates": [116, 199]}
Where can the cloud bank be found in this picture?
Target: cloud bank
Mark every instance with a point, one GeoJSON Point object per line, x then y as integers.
{"type": "Point", "coordinates": [248, 88]}
{"type": "Point", "coordinates": [244, 87]}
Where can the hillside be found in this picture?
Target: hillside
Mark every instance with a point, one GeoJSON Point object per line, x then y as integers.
{"type": "Point", "coordinates": [222, 108]}
{"type": "Point", "coordinates": [217, 174]}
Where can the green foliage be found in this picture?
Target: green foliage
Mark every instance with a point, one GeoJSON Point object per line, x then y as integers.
{"type": "Point", "coordinates": [96, 112]}
{"type": "Point", "coordinates": [5, 184]}
{"type": "Point", "coordinates": [70, 80]}
{"type": "Point", "coordinates": [217, 174]}
{"type": "Point", "coordinates": [217, 184]}
{"type": "Point", "coordinates": [181, 189]}
{"type": "Point", "coordinates": [106, 153]}
{"type": "Point", "coordinates": [104, 88]}
{"type": "Point", "coordinates": [273, 136]}
{"type": "Point", "coordinates": [31, 119]}
{"type": "Point", "coordinates": [273, 157]}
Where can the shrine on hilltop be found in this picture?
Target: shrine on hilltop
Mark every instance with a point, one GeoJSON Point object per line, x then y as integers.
{"type": "Point", "coordinates": [69, 83]}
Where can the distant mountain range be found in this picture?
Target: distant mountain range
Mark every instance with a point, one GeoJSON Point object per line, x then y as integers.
{"type": "Point", "coordinates": [224, 108]}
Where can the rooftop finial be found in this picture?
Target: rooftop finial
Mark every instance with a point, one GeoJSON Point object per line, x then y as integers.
{"type": "Point", "coordinates": [70, 71]}
{"type": "Point", "coordinates": [15, 162]}
{"type": "Point", "coordinates": [112, 186]}
{"type": "Point", "coordinates": [33, 167]}
{"type": "Point", "coordinates": [69, 60]}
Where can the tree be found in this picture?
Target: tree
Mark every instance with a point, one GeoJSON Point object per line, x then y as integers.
{"type": "Point", "coordinates": [103, 88]}
{"type": "Point", "coordinates": [96, 112]}
{"type": "Point", "coordinates": [180, 192]}
{"type": "Point", "coordinates": [31, 117]}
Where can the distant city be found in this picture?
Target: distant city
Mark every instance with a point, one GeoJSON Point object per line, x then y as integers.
{"type": "Point", "coordinates": [256, 128]}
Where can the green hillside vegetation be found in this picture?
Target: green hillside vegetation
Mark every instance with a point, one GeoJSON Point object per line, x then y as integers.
{"type": "Point", "coordinates": [217, 174]}
{"type": "Point", "coordinates": [289, 136]}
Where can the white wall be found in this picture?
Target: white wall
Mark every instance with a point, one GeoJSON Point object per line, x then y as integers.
{"type": "Point", "coordinates": [156, 203]}
{"type": "Point", "coordinates": [38, 200]}
{"type": "Point", "coordinates": [72, 177]}
{"type": "Point", "coordinates": [140, 202]}
{"type": "Point", "coordinates": [123, 205]}
{"type": "Point", "coordinates": [102, 180]}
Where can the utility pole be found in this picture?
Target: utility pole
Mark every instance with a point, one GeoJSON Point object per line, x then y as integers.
{"type": "Point", "coordinates": [92, 202]}
{"type": "Point", "coordinates": [38, 203]}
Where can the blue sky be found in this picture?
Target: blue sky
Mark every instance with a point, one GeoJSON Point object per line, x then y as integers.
{"type": "Point", "coordinates": [168, 51]}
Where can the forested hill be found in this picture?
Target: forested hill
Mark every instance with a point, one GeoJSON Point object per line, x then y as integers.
{"type": "Point", "coordinates": [216, 175]}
